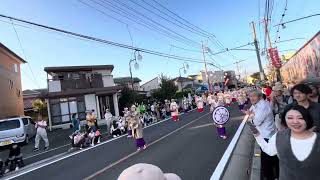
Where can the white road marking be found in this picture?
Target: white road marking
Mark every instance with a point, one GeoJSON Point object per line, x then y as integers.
{"type": "Point", "coordinates": [59, 147]}
{"type": "Point", "coordinates": [73, 154]}
{"type": "Point", "coordinates": [227, 154]}
{"type": "Point", "coordinates": [136, 152]}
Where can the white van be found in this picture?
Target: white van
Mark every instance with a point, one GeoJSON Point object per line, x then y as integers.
{"type": "Point", "coordinates": [16, 130]}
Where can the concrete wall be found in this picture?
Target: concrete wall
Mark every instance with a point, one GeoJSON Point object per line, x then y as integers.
{"type": "Point", "coordinates": [54, 86]}
{"type": "Point", "coordinates": [10, 90]}
{"type": "Point", "coordinates": [90, 101]}
{"type": "Point", "coordinates": [151, 85]}
{"type": "Point", "coordinates": [107, 80]}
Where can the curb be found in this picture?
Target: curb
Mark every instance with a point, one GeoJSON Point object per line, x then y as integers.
{"type": "Point", "coordinates": [240, 162]}
{"type": "Point", "coordinates": [255, 171]}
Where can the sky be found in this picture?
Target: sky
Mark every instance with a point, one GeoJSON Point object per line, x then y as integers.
{"type": "Point", "coordinates": [228, 20]}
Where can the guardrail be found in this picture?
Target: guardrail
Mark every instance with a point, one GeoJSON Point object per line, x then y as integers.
{"type": "Point", "coordinates": [218, 172]}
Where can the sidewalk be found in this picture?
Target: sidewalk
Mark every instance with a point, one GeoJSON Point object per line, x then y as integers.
{"type": "Point", "coordinates": [240, 162]}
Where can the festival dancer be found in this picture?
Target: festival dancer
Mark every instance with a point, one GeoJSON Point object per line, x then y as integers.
{"type": "Point", "coordinates": [185, 104]}
{"type": "Point", "coordinates": [220, 96]}
{"type": "Point", "coordinates": [199, 102]}
{"type": "Point", "coordinates": [227, 98]}
{"type": "Point", "coordinates": [174, 108]}
{"type": "Point", "coordinates": [241, 101]}
{"type": "Point", "coordinates": [137, 130]}
{"type": "Point", "coordinates": [133, 111]}
{"type": "Point", "coordinates": [210, 100]}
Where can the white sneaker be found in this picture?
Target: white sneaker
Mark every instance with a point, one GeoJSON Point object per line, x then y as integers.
{"type": "Point", "coordinates": [6, 171]}
{"type": "Point", "coordinates": [17, 168]}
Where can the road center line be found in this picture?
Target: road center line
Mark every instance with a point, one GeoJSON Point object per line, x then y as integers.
{"type": "Point", "coordinates": [136, 152]}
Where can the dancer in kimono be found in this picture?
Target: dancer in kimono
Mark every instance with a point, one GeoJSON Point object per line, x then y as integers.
{"type": "Point", "coordinates": [199, 102]}
{"type": "Point", "coordinates": [185, 104]}
{"type": "Point", "coordinates": [220, 96]}
{"type": "Point", "coordinates": [137, 131]}
{"type": "Point", "coordinates": [133, 111]}
{"type": "Point", "coordinates": [227, 99]}
{"type": "Point", "coordinates": [241, 101]}
{"type": "Point", "coordinates": [174, 108]}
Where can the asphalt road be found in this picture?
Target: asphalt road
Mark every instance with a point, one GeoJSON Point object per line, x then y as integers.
{"type": "Point", "coordinates": [189, 148]}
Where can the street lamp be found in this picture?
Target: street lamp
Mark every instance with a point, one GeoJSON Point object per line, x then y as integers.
{"type": "Point", "coordinates": [137, 56]}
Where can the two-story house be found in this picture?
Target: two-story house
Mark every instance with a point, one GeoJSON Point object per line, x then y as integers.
{"type": "Point", "coordinates": [128, 82]}
{"type": "Point", "coordinates": [10, 80]}
{"type": "Point", "coordinates": [151, 85]}
{"type": "Point", "coordinates": [79, 89]}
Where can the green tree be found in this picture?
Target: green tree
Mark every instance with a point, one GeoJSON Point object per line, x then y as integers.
{"type": "Point", "coordinates": [167, 90]}
{"type": "Point", "coordinates": [127, 97]}
{"type": "Point", "coordinates": [40, 107]}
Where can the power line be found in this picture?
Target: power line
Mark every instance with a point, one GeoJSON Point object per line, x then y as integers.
{"type": "Point", "coordinates": [186, 21]}
{"type": "Point", "coordinates": [177, 20]}
{"type": "Point", "coordinates": [25, 56]}
{"type": "Point", "coordinates": [147, 51]}
{"type": "Point", "coordinates": [190, 50]}
{"type": "Point", "coordinates": [209, 35]}
{"type": "Point", "coordinates": [164, 18]}
{"type": "Point", "coordinates": [281, 20]}
{"type": "Point", "coordinates": [297, 19]}
{"type": "Point", "coordinates": [155, 22]}
{"type": "Point", "coordinates": [134, 19]}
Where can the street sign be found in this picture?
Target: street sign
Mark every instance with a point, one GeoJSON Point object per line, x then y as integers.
{"type": "Point", "coordinates": [274, 56]}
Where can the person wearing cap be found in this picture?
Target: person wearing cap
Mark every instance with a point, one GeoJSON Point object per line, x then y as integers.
{"type": "Point", "coordinates": [278, 103]}
{"type": "Point", "coordinates": [144, 171]}
{"type": "Point", "coordinates": [174, 108]}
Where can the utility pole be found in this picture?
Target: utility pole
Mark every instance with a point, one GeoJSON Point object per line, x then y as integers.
{"type": "Point", "coordinates": [255, 42]}
{"type": "Point", "coordinates": [237, 65]}
{"type": "Point", "coordinates": [205, 66]}
{"type": "Point", "coordinates": [278, 75]}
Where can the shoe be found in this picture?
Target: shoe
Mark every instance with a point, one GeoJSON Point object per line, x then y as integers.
{"type": "Point", "coordinates": [17, 168]}
{"type": "Point", "coordinates": [116, 136]}
{"type": "Point", "coordinates": [6, 171]}
{"type": "Point", "coordinates": [35, 149]}
{"type": "Point", "coordinates": [46, 148]}
{"type": "Point", "coordinates": [145, 147]}
{"type": "Point", "coordinates": [138, 149]}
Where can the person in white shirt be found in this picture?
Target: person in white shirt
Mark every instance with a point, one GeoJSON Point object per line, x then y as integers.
{"type": "Point", "coordinates": [262, 117]}
{"type": "Point", "coordinates": [297, 146]}
{"type": "Point", "coordinates": [108, 117]}
{"type": "Point", "coordinates": [41, 126]}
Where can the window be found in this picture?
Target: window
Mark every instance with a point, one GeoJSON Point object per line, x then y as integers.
{"type": "Point", "coordinates": [11, 83]}
{"type": "Point", "coordinates": [18, 92]}
{"type": "Point", "coordinates": [10, 124]}
{"type": "Point", "coordinates": [25, 121]}
{"type": "Point", "coordinates": [15, 66]}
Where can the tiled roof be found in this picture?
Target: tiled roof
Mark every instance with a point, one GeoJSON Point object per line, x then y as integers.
{"type": "Point", "coordinates": [121, 80]}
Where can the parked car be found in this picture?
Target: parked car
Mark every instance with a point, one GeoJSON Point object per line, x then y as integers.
{"type": "Point", "coordinates": [16, 130]}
